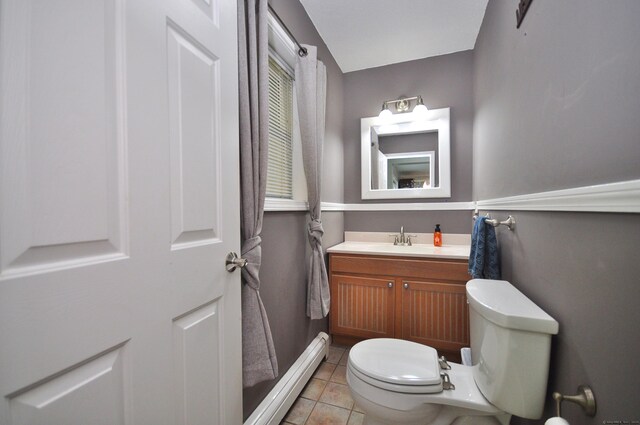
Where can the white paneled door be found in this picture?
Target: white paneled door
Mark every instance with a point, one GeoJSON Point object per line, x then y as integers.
{"type": "Point", "coordinates": [118, 204]}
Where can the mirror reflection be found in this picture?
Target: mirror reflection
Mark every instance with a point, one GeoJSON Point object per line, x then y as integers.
{"type": "Point", "coordinates": [404, 161]}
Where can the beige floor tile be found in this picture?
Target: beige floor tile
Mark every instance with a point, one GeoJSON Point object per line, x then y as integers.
{"type": "Point", "coordinates": [325, 414]}
{"type": "Point", "coordinates": [337, 395]}
{"type": "Point", "coordinates": [300, 411]}
{"type": "Point", "coordinates": [339, 375]}
{"type": "Point", "coordinates": [335, 354]}
{"type": "Point", "coordinates": [324, 371]}
{"type": "Point", "coordinates": [344, 358]}
{"type": "Point", "coordinates": [356, 418]}
{"type": "Point", "coordinates": [357, 408]}
{"type": "Point", "coordinates": [314, 389]}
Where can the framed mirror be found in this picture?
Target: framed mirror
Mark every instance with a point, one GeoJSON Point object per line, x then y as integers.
{"type": "Point", "coordinates": [406, 156]}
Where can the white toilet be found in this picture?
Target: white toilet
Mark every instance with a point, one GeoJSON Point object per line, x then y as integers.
{"type": "Point", "coordinates": [399, 382]}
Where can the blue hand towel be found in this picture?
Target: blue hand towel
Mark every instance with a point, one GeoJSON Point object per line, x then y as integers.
{"type": "Point", "coordinates": [483, 260]}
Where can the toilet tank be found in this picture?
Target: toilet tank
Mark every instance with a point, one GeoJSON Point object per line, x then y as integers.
{"type": "Point", "coordinates": [510, 344]}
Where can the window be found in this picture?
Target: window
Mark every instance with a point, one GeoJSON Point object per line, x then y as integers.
{"type": "Point", "coordinates": [286, 183]}
{"type": "Point", "coordinates": [280, 167]}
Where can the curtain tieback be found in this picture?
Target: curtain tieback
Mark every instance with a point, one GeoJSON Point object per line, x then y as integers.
{"type": "Point", "coordinates": [315, 232]}
{"type": "Point", "coordinates": [252, 252]}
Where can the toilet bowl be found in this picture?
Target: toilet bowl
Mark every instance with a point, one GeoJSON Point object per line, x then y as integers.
{"type": "Point", "coordinates": [401, 382]}
{"type": "Point", "coordinates": [398, 382]}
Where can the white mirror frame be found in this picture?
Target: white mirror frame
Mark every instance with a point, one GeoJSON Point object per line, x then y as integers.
{"type": "Point", "coordinates": [408, 123]}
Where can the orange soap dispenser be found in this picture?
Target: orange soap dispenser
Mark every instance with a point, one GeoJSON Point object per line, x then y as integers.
{"type": "Point", "coordinates": [437, 236]}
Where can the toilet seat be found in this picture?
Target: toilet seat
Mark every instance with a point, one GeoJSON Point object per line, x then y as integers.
{"type": "Point", "coordinates": [396, 388]}
{"type": "Point", "coordinates": [397, 365]}
{"type": "Point", "coordinates": [466, 394]}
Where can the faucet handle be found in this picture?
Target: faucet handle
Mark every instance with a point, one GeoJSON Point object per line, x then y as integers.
{"type": "Point", "coordinates": [395, 240]}
{"type": "Point", "coordinates": [408, 239]}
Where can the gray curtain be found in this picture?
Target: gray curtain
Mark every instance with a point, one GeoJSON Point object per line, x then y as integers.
{"type": "Point", "coordinates": [311, 85]}
{"type": "Point", "coordinates": [259, 361]}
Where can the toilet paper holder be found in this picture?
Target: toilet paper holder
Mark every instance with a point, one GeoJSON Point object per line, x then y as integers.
{"type": "Point", "coordinates": [584, 398]}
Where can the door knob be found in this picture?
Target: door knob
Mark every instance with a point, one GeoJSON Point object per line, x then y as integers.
{"type": "Point", "coordinates": [233, 261]}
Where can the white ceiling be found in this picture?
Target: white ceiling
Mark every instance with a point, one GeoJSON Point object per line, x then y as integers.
{"type": "Point", "coordinates": [368, 33]}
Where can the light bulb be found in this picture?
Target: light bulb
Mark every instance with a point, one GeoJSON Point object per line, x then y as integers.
{"type": "Point", "coordinates": [420, 110]}
{"type": "Point", "coordinates": [385, 114]}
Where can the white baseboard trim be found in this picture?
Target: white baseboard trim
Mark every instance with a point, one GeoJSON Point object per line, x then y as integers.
{"type": "Point", "coordinates": [277, 403]}
{"type": "Point", "coordinates": [619, 197]}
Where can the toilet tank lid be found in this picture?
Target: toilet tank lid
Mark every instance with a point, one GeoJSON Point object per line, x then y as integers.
{"type": "Point", "coordinates": [503, 304]}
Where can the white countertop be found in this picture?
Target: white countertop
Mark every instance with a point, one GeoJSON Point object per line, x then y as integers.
{"type": "Point", "coordinates": [459, 252]}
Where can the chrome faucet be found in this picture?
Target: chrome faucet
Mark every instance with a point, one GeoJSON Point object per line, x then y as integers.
{"type": "Point", "coordinates": [402, 238]}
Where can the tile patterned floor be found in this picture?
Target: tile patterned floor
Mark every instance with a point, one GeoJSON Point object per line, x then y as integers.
{"type": "Point", "coordinates": [326, 400]}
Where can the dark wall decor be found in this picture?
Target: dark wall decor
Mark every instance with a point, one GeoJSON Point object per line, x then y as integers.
{"type": "Point", "coordinates": [523, 7]}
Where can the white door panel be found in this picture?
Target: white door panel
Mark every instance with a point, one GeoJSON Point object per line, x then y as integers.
{"type": "Point", "coordinates": [56, 401]}
{"type": "Point", "coordinates": [194, 109]}
{"type": "Point", "coordinates": [60, 117]}
{"type": "Point", "coordinates": [197, 365]}
{"type": "Point", "coordinates": [117, 211]}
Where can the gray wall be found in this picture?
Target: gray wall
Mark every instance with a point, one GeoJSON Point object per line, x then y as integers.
{"type": "Point", "coordinates": [557, 104]}
{"type": "Point", "coordinates": [283, 289]}
{"type": "Point", "coordinates": [284, 235]}
{"type": "Point", "coordinates": [442, 81]}
{"type": "Point", "coordinates": [413, 221]}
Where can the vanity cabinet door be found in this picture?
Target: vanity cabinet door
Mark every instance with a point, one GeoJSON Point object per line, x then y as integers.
{"type": "Point", "coordinates": [435, 314]}
{"type": "Point", "coordinates": [362, 307]}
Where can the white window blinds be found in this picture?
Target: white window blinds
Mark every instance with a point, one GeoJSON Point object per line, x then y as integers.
{"type": "Point", "coordinates": [279, 170]}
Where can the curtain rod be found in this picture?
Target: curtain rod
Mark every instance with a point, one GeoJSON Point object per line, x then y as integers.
{"type": "Point", "coordinates": [301, 50]}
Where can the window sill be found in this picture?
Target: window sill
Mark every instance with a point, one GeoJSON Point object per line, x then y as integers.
{"type": "Point", "coordinates": [277, 204]}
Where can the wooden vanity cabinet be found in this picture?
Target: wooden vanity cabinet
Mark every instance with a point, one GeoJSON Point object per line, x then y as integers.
{"type": "Point", "coordinates": [435, 314]}
{"type": "Point", "coordinates": [417, 299]}
{"type": "Point", "coordinates": [362, 306]}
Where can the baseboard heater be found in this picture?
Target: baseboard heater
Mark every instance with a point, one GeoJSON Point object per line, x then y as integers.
{"type": "Point", "coordinates": [278, 402]}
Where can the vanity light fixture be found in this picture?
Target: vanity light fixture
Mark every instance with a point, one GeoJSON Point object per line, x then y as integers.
{"type": "Point", "coordinates": [402, 105]}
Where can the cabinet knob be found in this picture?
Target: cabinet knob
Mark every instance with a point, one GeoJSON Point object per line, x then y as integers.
{"type": "Point", "coordinates": [390, 284]}
{"type": "Point", "coordinates": [406, 286]}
